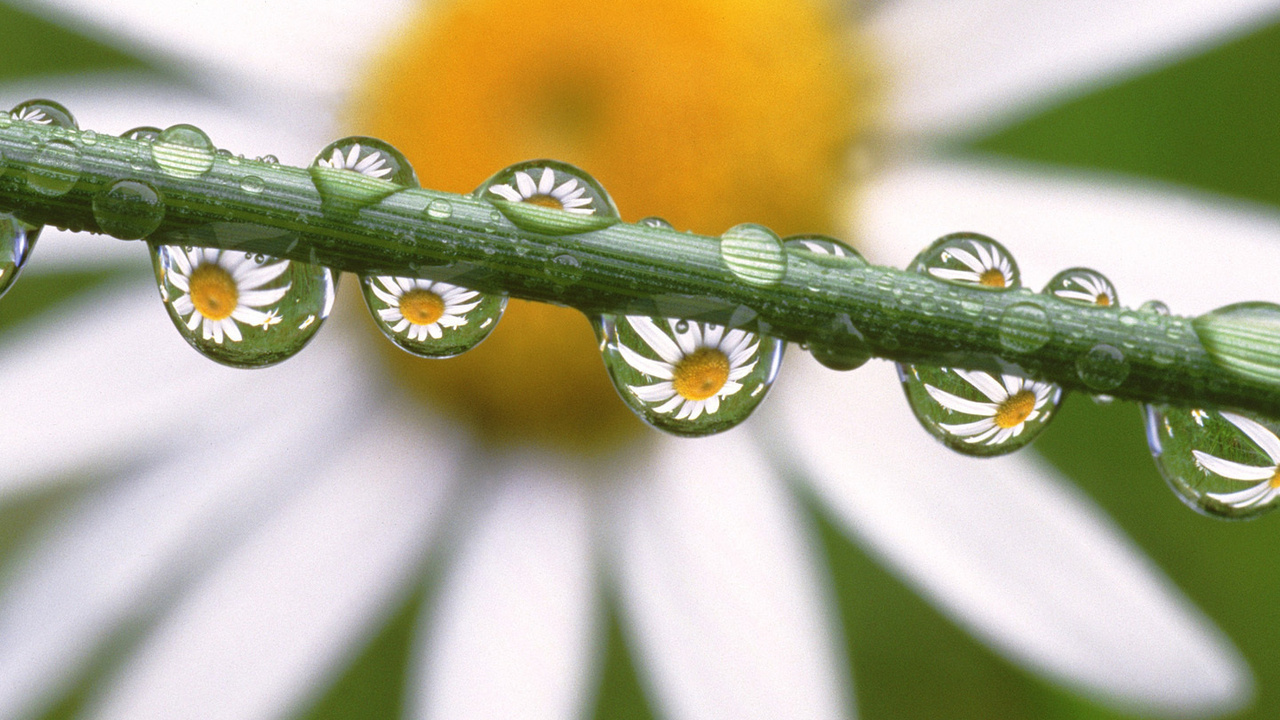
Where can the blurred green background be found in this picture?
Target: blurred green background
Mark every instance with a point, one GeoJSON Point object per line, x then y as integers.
{"type": "Point", "coordinates": [1209, 122]}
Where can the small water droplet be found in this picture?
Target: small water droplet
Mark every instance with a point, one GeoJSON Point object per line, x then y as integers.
{"type": "Point", "coordinates": [439, 209]}
{"type": "Point", "coordinates": [697, 381]}
{"type": "Point", "coordinates": [183, 151]}
{"type": "Point", "coordinates": [824, 250]}
{"type": "Point", "coordinates": [128, 209]}
{"type": "Point", "coordinates": [976, 412]}
{"type": "Point", "coordinates": [358, 171]}
{"type": "Point", "coordinates": [252, 184]}
{"type": "Point", "coordinates": [1101, 399]}
{"type": "Point", "coordinates": [1243, 338]}
{"type": "Point", "coordinates": [1103, 367]}
{"type": "Point", "coordinates": [1154, 307]}
{"type": "Point", "coordinates": [1083, 286]}
{"type": "Point", "coordinates": [1025, 327]}
{"type": "Point", "coordinates": [17, 238]}
{"type": "Point", "coordinates": [268, 159]}
{"type": "Point", "coordinates": [656, 222]}
{"type": "Point", "coordinates": [54, 169]}
{"type": "Point", "coordinates": [44, 112]}
{"type": "Point", "coordinates": [238, 312]}
{"type": "Point", "coordinates": [564, 269]}
{"type": "Point", "coordinates": [145, 133]}
{"type": "Point", "coordinates": [1220, 463]}
{"type": "Point", "coordinates": [430, 318]}
{"type": "Point", "coordinates": [550, 197]}
{"type": "Point", "coordinates": [969, 259]}
{"type": "Point", "coordinates": [754, 254]}
{"type": "Point", "coordinates": [89, 137]}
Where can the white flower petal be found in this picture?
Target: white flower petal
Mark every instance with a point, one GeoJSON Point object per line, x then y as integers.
{"type": "Point", "coordinates": [1009, 550]}
{"type": "Point", "coordinates": [961, 65]}
{"type": "Point", "coordinates": [1192, 250]}
{"type": "Point", "coordinates": [254, 637]}
{"type": "Point", "coordinates": [1233, 470]}
{"type": "Point", "coordinates": [721, 588]}
{"type": "Point", "coordinates": [1258, 433]}
{"type": "Point", "coordinates": [511, 634]}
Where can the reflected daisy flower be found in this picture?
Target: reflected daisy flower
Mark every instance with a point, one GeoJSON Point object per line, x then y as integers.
{"type": "Point", "coordinates": [260, 570]}
{"type": "Point", "coordinates": [1086, 286]}
{"type": "Point", "coordinates": [1265, 477]}
{"type": "Point", "coordinates": [219, 289]}
{"type": "Point", "coordinates": [986, 266]}
{"type": "Point", "coordinates": [698, 365]}
{"type": "Point", "coordinates": [423, 308]}
{"type": "Point", "coordinates": [1014, 401]}
{"type": "Point", "coordinates": [548, 191]}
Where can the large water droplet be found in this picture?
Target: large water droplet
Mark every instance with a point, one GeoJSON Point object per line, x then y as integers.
{"type": "Point", "coordinates": [1243, 338]}
{"type": "Point", "coordinates": [976, 412]}
{"type": "Point", "coordinates": [754, 254]}
{"type": "Point", "coordinates": [969, 259]}
{"type": "Point", "coordinates": [1224, 464]}
{"type": "Point", "coordinates": [242, 309]}
{"type": "Point", "coordinates": [1103, 367]}
{"type": "Point", "coordinates": [183, 151]}
{"type": "Point", "coordinates": [54, 168]}
{"type": "Point", "coordinates": [1082, 285]}
{"type": "Point", "coordinates": [16, 240]}
{"type": "Point", "coordinates": [358, 171]}
{"type": "Point", "coordinates": [688, 379]}
{"type": "Point", "coordinates": [44, 112]}
{"type": "Point", "coordinates": [1025, 327]}
{"type": "Point", "coordinates": [128, 209]}
{"type": "Point", "coordinates": [550, 197]}
{"type": "Point", "coordinates": [431, 318]}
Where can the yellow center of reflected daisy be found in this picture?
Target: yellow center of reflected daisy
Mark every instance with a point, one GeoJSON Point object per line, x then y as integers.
{"type": "Point", "coordinates": [421, 307]}
{"type": "Point", "coordinates": [708, 113]}
{"type": "Point", "coordinates": [213, 292]}
{"type": "Point", "coordinates": [1103, 300]}
{"type": "Point", "coordinates": [545, 201]}
{"type": "Point", "coordinates": [1015, 409]}
{"type": "Point", "coordinates": [1275, 480]}
{"type": "Point", "coordinates": [701, 374]}
{"type": "Point", "coordinates": [991, 278]}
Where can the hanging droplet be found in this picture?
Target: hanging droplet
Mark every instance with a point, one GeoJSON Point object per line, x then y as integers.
{"type": "Point", "coordinates": [1243, 338]}
{"type": "Point", "coordinates": [242, 309]}
{"type": "Point", "coordinates": [688, 378]}
{"type": "Point", "coordinates": [1220, 463]}
{"type": "Point", "coordinates": [358, 171]}
{"type": "Point", "coordinates": [183, 151]}
{"type": "Point", "coordinates": [969, 259]}
{"type": "Point", "coordinates": [128, 209]}
{"type": "Point", "coordinates": [16, 241]}
{"type": "Point", "coordinates": [44, 112]}
{"type": "Point", "coordinates": [54, 169]}
{"type": "Point", "coordinates": [976, 412]}
{"type": "Point", "coordinates": [431, 318]}
{"type": "Point", "coordinates": [550, 197]}
{"type": "Point", "coordinates": [754, 254]}
{"type": "Point", "coordinates": [1083, 285]}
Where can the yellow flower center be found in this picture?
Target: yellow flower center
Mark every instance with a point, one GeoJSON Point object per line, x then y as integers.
{"type": "Point", "coordinates": [992, 278]}
{"type": "Point", "coordinates": [421, 307]}
{"type": "Point", "coordinates": [701, 374]}
{"type": "Point", "coordinates": [1104, 300]}
{"type": "Point", "coordinates": [1015, 409]}
{"type": "Point", "coordinates": [545, 201]}
{"type": "Point", "coordinates": [213, 292]}
{"type": "Point", "coordinates": [708, 113]}
{"type": "Point", "coordinates": [1275, 479]}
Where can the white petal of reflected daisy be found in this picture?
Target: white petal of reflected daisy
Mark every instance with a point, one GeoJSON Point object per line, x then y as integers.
{"type": "Point", "coordinates": [986, 264]}
{"type": "Point", "coordinates": [1266, 478]}
{"type": "Point", "coordinates": [33, 115]}
{"type": "Point", "coordinates": [568, 195]}
{"type": "Point", "coordinates": [698, 364]}
{"type": "Point", "coordinates": [221, 289]}
{"type": "Point", "coordinates": [1012, 402]}
{"type": "Point", "coordinates": [358, 159]}
{"type": "Point", "coordinates": [419, 308]}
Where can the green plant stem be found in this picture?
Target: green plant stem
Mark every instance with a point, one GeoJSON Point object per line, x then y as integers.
{"type": "Point", "coordinates": [625, 269]}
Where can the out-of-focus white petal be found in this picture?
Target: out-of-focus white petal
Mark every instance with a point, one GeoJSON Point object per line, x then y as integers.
{"type": "Point", "coordinates": [720, 587]}
{"type": "Point", "coordinates": [316, 48]}
{"type": "Point", "coordinates": [1005, 547]}
{"type": "Point", "coordinates": [1192, 250]}
{"type": "Point", "coordinates": [511, 634]}
{"type": "Point", "coordinates": [956, 66]}
{"type": "Point", "coordinates": [252, 638]}
{"type": "Point", "coordinates": [111, 382]}
{"type": "Point", "coordinates": [128, 545]}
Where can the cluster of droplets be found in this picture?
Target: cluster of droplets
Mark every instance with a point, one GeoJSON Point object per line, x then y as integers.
{"type": "Point", "coordinates": [696, 366]}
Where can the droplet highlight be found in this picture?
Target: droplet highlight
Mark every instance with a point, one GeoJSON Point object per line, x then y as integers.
{"type": "Point", "coordinates": [429, 318]}
{"type": "Point", "coordinates": [550, 197]}
{"type": "Point", "coordinates": [976, 412]}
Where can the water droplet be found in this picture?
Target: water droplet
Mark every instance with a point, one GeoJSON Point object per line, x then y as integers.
{"type": "Point", "coordinates": [44, 112]}
{"type": "Point", "coordinates": [1025, 327]}
{"type": "Point", "coordinates": [656, 222]}
{"type": "Point", "coordinates": [1103, 367]}
{"type": "Point", "coordinates": [702, 380]}
{"type": "Point", "coordinates": [976, 412]}
{"type": "Point", "coordinates": [16, 241]}
{"type": "Point", "coordinates": [824, 249]}
{"type": "Point", "coordinates": [1154, 307]}
{"type": "Point", "coordinates": [146, 133]}
{"type": "Point", "coordinates": [89, 137]}
{"type": "Point", "coordinates": [430, 318]}
{"type": "Point", "coordinates": [239, 312]}
{"type": "Point", "coordinates": [550, 197]}
{"type": "Point", "coordinates": [440, 209]}
{"type": "Point", "coordinates": [1220, 463]}
{"type": "Point", "coordinates": [1082, 285]}
{"type": "Point", "coordinates": [564, 269]}
{"type": "Point", "coordinates": [128, 209]}
{"type": "Point", "coordinates": [252, 184]}
{"type": "Point", "coordinates": [183, 151]}
{"type": "Point", "coordinates": [1243, 338]}
{"type": "Point", "coordinates": [358, 171]}
{"type": "Point", "coordinates": [754, 254]}
{"type": "Point", "coordinates": [54, 169]}
{"type": "Point", "coordinates": [268, 159]}
{"type": "Point", "coordinates": [969, 259]}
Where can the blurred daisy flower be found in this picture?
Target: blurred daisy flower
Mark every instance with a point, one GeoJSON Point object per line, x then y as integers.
{"type": "Point", "coordinates": [256, 528]}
